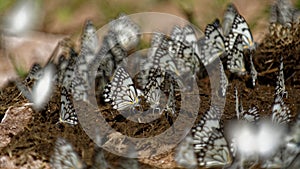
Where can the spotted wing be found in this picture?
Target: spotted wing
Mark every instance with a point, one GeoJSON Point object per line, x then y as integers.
{"type": "Point", "coordinates": [280, 86]}
{"type": "Point", "coordinates": [121, 92]}
{"type": "Point", "coordinates": [235, 57]}
{"type": "Point", "coordinates": [252, 115]}
{"type": "Point", "coordinates": [213, 45]}
{"type": "Point", "coordinates": [210, 144]}
{"type": "Point", "coordinates": [240, 27]}
{"type": "Point", "coordinates": [281, 113]}
{"type": "Point", "coordinates": [67, 111]}
{"type": "Point", "coordinates": [64, 156]}
{"type": "Point", "coordinates": [185, 49]}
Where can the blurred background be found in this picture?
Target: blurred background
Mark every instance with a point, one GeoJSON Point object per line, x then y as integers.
{"type": "Point", "coordinates": [30, 30]}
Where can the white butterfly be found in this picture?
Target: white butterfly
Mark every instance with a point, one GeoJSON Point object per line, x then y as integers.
{"type": "Point", "coordinates": [67, 111]}
{"type": "Point", "coordinates": [121, 92]}
{"type": "Point", "coordinates": [213, 45]}
{"type": "Point", "coordinates": [280, 86]}
{"type": "Point", "coordinates": [281, 113]}
{"type": "Point", "coordinates": [152, 89]}
{"type": "Point", "coordinates": [236, 60]}
{"type": "Point", "coordinates": [228, 18]}
{"type": "Point", "coordinates": [64, 156]}
{"type": "Point", "coordinates": [251, 116]}
{"type": "Point", "coordinates": [240, 27]}
{"type": "Point", "coordinates": [184, 48]}
{"type": "Point", "coordinates": [210, 144]}
{"type": "Point", "coordinates": [253, 71]}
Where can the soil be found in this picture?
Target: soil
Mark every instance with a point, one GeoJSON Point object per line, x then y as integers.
{"type": "Point", "coordinates": [27, 136]}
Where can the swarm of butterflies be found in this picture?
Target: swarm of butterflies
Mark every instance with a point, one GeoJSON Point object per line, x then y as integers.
{"type": "Point", "coordinates": [169, 59]}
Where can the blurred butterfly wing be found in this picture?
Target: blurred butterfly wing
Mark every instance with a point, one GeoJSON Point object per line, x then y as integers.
{"type": "Point", "coordinates": [65, 157]}
{"type": "Point", "coordinates": [252, 115]}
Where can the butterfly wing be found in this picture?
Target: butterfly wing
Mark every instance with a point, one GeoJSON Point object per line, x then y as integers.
{"type": "Point", "coordinates": [235, 57]}
{"type": "Point", "coordinates": [240, 27]}
{"type": "Point", "coordinates": [120, 92]}
{"type": "Point", "coordinates": [213, 45]}
{"type": "Point", "coordinates": [210, 144]}
{"type": "Point", "coordinates": [67, 111]}
{"type": "Point", "coordinates": [252, 115]}
{"type": "Point", "coordinates": [64, 156]}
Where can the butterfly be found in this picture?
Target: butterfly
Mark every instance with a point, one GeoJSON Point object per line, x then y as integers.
{"type": "Point", "coordinates": [65, 157]}
{"type": "Point", "coordinates": [152, 89]}
{"type": "Point", "coordinates": [281, 113]}
{"type": "Point", "coordinates": [235, 56]}
{"type": "Point", "coordinates": [210, 144]}
{"type": "Point", "coordinates": [81, 80]}
{"type": "Point", "coordinates": [213, 46]}
{"type": "Point", "coordinates": [122, 36]}
{"type": "Point", "coordinates": [127, 32]}
{"type": "Point", "coordinates": [251, 116]}
{"type": "Point", "coordinates": [240, 27]}
{"type": "Point", "coordinates": [228, 18]}
{"type": "Point", "coordinates": [158, 59]}
{"type": "Point", "coordinates": [67, 111]}
{"type": "Point", "coordinates": [253, 71]}
{"type": "Point", "coordinates": [280, 86]}
{"type": "Point", "coordinates": [35, 73]}
{"type": "Point", "coordinates": [184, 48]}
{"type": "Point", "coordinates": [121, 92]}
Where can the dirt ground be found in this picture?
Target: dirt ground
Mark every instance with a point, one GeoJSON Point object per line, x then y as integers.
{"type": "Point", "coordinates": [27, 137]}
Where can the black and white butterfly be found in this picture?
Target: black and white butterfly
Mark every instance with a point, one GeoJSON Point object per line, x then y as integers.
{"type": "Point", "coordinates": [280, 83]}
{"type": "Point", "coordinates": [123, 35]}
{"type": "Point", "coordinates": [160, 59]}
{"type": "Point", "coordinates": [253, 71]}
{"type": "Point", "coordinates": [67, 111]}
{"type": "Point", "coordinates": [240, 27]}
{"type": "Point", "coordinates": [152, 90]}
{"type": "Point", "coordinates": [184, 48]}
{"type": "Point", "coordinates": [210, 144]}
{"type": "Point", "coordinates": [65, 157]}
{"type": "Point", "coordinates": [236, 58]}
{"type": "Point", "coordinates": [121, 92]}
{"type": "Point", "coordinates": [251, 116]}
{"type": "Point", "coordinates": [281, 113]}
{"type": "Point", "coordinates": [228, 18]}
{"type": "Point", "coordinates": [35, 73]}
{"type": "Point", "coordinates": [213, 45]}
{"type": "Point", "coordinates": [82, 76]}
